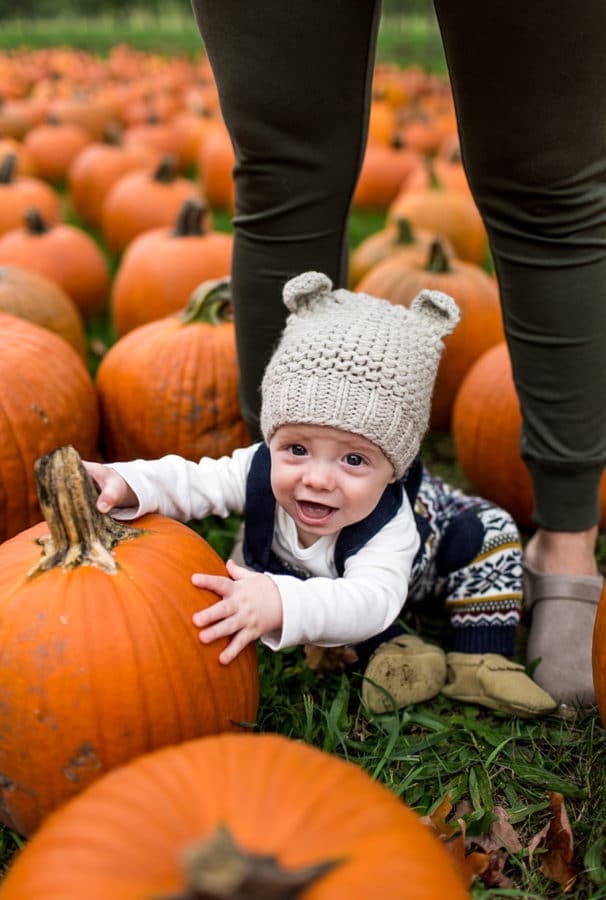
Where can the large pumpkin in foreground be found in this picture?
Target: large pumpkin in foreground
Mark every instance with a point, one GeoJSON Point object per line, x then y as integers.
{"type": "Point", "coordinates": [99, 660]}
{"type": "Point", "coordinates": [170, 825]}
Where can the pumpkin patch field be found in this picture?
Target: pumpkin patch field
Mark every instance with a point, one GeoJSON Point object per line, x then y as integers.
{"type": "Point", "coordinates": [121, 740]}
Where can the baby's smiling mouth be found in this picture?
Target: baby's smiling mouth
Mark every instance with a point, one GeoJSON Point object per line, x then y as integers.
{"type": "Point", "coordinates": [314, 510]}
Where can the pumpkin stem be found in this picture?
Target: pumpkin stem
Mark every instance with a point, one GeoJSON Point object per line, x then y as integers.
{"type": "Point", "coordinates": [34, 221]}
{"type": "Point", "coordinates": [8, 168]}
{"type": "Point", "coordinates": [79, 535]}
{"type": "Point", "coordinates": [438, 260]}
{"type": "Point", "coordinates": [220, 870]}
{"type": "Point", "coordinates": [167, 169]}
{"type": "Point", "coordinates": [209, 303]}
{"type": "Point", "coordinates": [192, 220]}
{"type": "Point", "coordinates": [404, 231]}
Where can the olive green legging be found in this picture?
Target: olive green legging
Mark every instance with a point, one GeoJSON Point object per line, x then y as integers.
{"type": "Point", "coordinates": [529, 81]}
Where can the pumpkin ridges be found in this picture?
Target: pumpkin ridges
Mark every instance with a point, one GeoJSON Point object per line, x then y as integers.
{"type": "Point", "coordinates": [121, 682]}
{"type": "Point", "coordinates": [154, 402]}
{"type": "Point", "coordinates": [155, 280]}
{"type": "Point", "coordinates": [53, 400]}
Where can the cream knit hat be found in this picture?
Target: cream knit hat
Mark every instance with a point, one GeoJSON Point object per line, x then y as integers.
{"type": "Point", "coordinates": [357, 363]}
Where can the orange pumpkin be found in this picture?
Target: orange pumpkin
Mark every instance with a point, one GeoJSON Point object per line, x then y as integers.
{"type": "Point", "coordinates": [36, 298]}
{"type": "Point", "coordinates": [158, 136]}
{"type": "Point", "coordinates": [215, 164]}
{"type": "Point", "coordinates": [46, 397]}
{"type": "Point", "coordinates": [96, 169]}
{"type": "Point", "coordinates": [18, 192]}
{"type": "Point", "coordinates": [399, 278]}
{"type": "Point", "coordinates": [486, 428]}
{"type": "Point", "coordinates": [598, 657]}
{"type": "Point", "coordinates": [99, 659]}
{"type": "Point", "coordinates": [235, 816]}
{"type": "Point", "coordinates": [171, 386]}
{"type": "Point", "coordinates": [142, 200]}
{"type": "Point", "coordinates": [451, 214]}
{"type": "Point", "coordinates": [66, 254]}
{"type": "Point", "coordinates": [387, 170]}
{"type": "Point", "coordinates": [160, 268]}
{"type": "Point", "coordinates": [53, 147]}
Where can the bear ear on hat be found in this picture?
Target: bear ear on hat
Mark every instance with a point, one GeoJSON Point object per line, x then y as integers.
{"type": "Point", "coordinates": [301, 291]}
{"type": "Point", "coordinates": [440, 312]}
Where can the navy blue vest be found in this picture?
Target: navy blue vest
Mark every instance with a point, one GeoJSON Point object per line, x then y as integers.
{"type": "Point", "coordinates": [261, 507]}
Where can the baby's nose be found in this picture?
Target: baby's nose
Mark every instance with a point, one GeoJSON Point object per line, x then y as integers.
{"type": "Point", "coordinates": [320, 476]}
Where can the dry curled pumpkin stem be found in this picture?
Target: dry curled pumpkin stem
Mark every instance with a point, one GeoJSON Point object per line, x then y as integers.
{"type": "Point", "coordinates": [209, 303]}
{"type": "Point", "coordinates": [79, 534]}
{"type": "Point", "coordinates": [192, 219]}
{"type": "Point", "coordinates": [220, 870]}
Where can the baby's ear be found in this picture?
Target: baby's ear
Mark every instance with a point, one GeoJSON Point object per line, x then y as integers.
{"type": "Point", "coordinates": [300, 292]}
{"type": "Point", "coordinates": [439, 311]}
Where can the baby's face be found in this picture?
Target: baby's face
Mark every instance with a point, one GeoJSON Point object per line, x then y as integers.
{"type": "Point", "coordinates": [326, 478]}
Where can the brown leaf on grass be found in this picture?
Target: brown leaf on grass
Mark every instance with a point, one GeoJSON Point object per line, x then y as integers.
{"type": "Point", "coordinates": [452, 835]}
{"type": "Point", "coordinates": [557, 842]}
{"type": "Point", "coordinates": [497, 844]}
{"type": "Point", "coordinates": [437, 819]}
{"type": "Point", "coordinates": [469, 865]}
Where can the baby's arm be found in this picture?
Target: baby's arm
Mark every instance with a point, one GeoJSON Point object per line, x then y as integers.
{"type": "Point", "coordinates": [173, 486]}
{"type": "Point", "coordinates": [250, 606]}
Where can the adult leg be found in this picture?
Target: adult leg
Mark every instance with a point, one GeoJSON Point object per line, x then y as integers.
{"type": "Point", "coordinates": [294, 82]}
{"type": "Point", "coordinates": [528, 81]}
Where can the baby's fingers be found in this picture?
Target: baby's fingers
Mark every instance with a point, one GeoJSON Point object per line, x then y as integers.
{"type": "Point", "coordinates": [215, 613]}
{"type": "Point", "coordinates": [217, 583]}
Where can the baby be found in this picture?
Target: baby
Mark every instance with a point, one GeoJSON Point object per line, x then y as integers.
{"type": "Point", "coordinates": [343, 525]}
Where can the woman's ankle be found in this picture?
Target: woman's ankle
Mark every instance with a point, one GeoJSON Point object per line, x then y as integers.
{"type": "Point", "coordinates": [563, 552]}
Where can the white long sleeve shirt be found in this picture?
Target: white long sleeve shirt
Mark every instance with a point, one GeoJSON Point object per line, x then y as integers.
{"type": "Point", "coordinates": [324, 609]}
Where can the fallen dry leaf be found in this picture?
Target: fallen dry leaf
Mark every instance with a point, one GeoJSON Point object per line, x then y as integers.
{"type": "Point", "coordinates": [557, 842]}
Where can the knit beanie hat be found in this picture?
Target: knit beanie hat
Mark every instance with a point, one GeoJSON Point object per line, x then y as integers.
{"type": "Point", "coordinates": [357, 363]}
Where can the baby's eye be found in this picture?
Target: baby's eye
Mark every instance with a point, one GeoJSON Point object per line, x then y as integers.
{"type": "Point", "coordinates": [354, 459]}
{"type": "Point", "coordinates": [297, 449]}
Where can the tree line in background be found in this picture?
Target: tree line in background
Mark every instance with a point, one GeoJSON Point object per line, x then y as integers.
{"type": "Point", "coordinates": [43, 9]}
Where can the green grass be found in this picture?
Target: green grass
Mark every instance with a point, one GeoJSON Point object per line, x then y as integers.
{"type": "Point", "coordinates": [406, 40]}
{"type": "Point", "coordinates": [438, 748]}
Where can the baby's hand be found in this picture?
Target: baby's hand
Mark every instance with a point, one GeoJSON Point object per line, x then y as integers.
{"type": "Point", "coordinates": [250, 606]}
{"type": "Point", "coordinates": [113, 489]}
